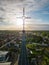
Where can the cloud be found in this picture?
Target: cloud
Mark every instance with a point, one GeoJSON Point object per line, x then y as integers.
{"type": "Point", "coordinates": [2, 9]}
{"type": "Point", "coordinates": [1, 19]}
{"type": "Point", "coordinates": [45, 12]}
{"type": "Point", "coordinates": [32, 4]}
{"type": "Point", "coordinates": [35, 21]}
{"type": "Point", "coordinates": [10, 5]}
{"type": "Point", "coordinates": [38, 27]}
{"type": "Point", "coordinates": [33, 27]}
{"type": "Point", "coordinates": [36, 4]}
{"type": "Point", "coordinates": [9, 9]}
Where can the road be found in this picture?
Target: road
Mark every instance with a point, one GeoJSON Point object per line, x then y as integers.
{"type": "Point", "coordinates": [7, 43]}
{"type": "Point", "coordinates": [23, 60]}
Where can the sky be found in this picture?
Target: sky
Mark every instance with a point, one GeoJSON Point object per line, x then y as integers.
{"type": "Point", "coordinates": [37, 10]}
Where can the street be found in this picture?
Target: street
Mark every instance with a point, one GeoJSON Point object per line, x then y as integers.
{"type": "Point", "coordinates": [23, 60]}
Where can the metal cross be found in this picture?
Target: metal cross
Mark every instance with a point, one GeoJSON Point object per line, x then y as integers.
{"type": "Point", "coordinates": [24, 17]}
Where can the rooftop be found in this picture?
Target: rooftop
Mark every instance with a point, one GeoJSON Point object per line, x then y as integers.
{"type": "Point", "coordinates": [3, 53]}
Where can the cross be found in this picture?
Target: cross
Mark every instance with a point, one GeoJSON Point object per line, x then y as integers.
{"type": "Point", "coordinates": [23, 17]}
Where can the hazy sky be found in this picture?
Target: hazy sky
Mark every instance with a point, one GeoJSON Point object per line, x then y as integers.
{"type": "Point", "coordinates": [38, 10]}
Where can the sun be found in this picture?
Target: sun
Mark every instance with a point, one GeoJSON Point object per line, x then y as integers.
{"type": "Point", "coordinates": [19, 22]}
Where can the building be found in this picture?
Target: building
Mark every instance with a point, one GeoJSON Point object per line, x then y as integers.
{"type": "Point", "coordinates": [4, 58]}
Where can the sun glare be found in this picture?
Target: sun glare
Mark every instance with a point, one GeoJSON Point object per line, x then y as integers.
{"type": "Point", "coordinates": [19, 22]}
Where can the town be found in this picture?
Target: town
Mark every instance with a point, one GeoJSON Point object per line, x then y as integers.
{"type": "Point", "coordinates": [37, 47]}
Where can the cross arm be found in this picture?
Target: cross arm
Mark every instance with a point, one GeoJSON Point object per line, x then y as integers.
{"type": "Point", "coordinates": [28, 17]}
